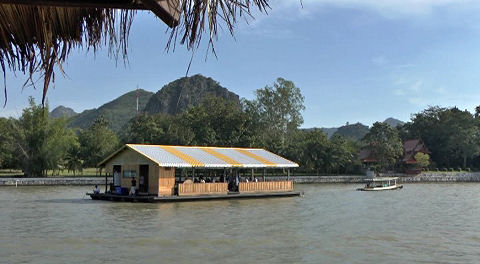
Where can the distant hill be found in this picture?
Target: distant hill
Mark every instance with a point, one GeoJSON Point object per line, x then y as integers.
{"type": "Point", "coordinates": [118, 112]}
{"type": "Point", "coordinates": [329, 130]}
{"type": "Point", "coordinates": [393, 122]}
{"type": "Point", "coordinates": [62, 111]}
{"type": "Point", "coordinates": [354, 131]}
{"type": "Point", "coordinates": [186, 92]}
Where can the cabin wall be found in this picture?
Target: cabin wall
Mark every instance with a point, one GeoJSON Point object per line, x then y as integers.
{"type": "Point", "coordinates": [166, 181]}
{"type": "Point", "coordinates": [273, 186]}
{"type": "Point", "coordinates": [130, 160]}
{"type": "Point", "coordinates": [186, 189]}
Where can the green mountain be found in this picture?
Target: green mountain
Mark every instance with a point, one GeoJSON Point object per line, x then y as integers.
{"type": "Point", "coordinates": [186, 92]}
{"type": "Point", "coordinates": [329, 131]}
{"type": "Point", "coordinates": [118, 112]}
{"type": "Point", "coordinates": [393, 122]}
{"type": "Point", "coordinates": [62, 111]}
{"type": "Point", "coordinates": [354, 131]}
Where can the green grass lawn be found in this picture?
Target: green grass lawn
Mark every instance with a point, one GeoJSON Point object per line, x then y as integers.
{"type": "Point", "coordinates": [87, 172]}
{"type": "Point", "coordinates": [10, 173]}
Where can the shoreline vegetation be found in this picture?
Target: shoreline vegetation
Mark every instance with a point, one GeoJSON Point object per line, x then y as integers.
{"type": "Point", "coordinates": [43, 146]}
{"type": "Point", "coordinates": [424, 177]}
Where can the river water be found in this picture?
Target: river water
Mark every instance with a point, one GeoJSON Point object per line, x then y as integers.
{"type": "Point", "coordinates": [422, 223]}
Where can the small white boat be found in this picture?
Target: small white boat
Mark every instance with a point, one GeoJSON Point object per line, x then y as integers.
{"type": "Point", "coordinates": [381, 184]}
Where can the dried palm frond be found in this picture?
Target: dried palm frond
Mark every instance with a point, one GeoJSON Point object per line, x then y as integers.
{"type": "Point", "coordinates": [38, 38]}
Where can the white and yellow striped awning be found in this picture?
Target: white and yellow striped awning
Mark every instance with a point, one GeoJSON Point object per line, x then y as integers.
{"type": "Point", "coordinates": [208, 157]}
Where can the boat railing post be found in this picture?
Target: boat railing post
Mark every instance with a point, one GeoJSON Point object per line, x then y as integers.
{"type": "Point", "coordinates": [263, 174]}
{"type": "Point", "coordinates": [106, 175]}
{"type": "Point", "coordinates": [288, 174]}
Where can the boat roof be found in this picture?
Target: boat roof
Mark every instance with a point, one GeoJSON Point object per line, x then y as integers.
{"type": "Point", "coordinates": [381, 179]}
{"type": "Point", "coordinates": [206, 157]}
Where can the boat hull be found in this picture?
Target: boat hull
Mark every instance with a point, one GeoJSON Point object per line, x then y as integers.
{"type": "Point", "coordinates": [169, 199]}
{"type": "Point", "coordinates": [387, 188]}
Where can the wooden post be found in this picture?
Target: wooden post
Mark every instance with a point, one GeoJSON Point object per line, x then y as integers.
{"type": "Point", "coordinates": [105, 179]}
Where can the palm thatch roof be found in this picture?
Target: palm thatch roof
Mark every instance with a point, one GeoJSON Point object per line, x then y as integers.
{"type": "Point", "coordinates": [37, 35]}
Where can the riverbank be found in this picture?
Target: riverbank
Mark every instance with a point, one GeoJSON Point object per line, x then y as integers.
{"type": "Point", "coordinates": [403, 178]}
{"type": "Point", "coordinates": [53, 181]}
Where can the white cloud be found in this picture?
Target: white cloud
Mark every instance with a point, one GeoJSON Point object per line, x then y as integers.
{"type": "Point", "coordinates": [387, 8]}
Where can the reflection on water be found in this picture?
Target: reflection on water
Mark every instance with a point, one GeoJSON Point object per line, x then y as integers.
{"type": "Point", "coordinates": [432, 223]}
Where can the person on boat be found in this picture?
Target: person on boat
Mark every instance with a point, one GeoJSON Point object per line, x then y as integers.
{"type": "Point", "coordinates": [132, 189]}
{"type": "Point", "coordinates": [96, 190]}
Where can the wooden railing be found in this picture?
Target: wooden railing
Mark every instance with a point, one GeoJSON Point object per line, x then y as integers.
{"type": "Point", "coordinates": [273, 186]}
{"type": "Point", "coordinates": [202, 188]}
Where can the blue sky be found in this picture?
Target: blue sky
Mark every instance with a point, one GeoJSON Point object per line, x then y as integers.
{"type": "Point", "coordinates": [354, 60]}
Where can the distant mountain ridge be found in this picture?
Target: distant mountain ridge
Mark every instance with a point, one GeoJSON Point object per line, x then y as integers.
{"type": "Point", "coordinates": [62, 111]}
{"type": "Point", "coordinates": [183, 93]}
{"type": "Point", "coordinates": [393, 122]}
{"type": "Point", "coordinates": [118, 111]}
{"type": "Point", "coordinates": [353, 131]}
{"type": "Point", "coordinates": [173, 98]}
{"type": "Point", "coordinates": [356, 131]}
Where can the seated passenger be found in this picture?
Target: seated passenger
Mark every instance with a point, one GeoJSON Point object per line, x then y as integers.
{"type": "Point", "coordinates": [96, 190]}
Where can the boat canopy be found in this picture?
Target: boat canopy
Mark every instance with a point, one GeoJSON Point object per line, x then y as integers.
{"type": "Point", "coordinates": [206, 157]}
{"type": "Point", "coordinates": [379, 179]}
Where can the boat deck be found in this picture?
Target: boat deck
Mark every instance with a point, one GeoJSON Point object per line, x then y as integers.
{"type": "Point", "coordinates": [169, 199]}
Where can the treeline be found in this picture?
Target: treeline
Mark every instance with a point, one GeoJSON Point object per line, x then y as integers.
{"type": "Point", "coordinates": [36, 143]}
{"type": "Point", "coordinates": [452, 136]}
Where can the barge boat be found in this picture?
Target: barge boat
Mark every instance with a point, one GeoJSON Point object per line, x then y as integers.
{"type": "Point", "coordinates": [161, 173]}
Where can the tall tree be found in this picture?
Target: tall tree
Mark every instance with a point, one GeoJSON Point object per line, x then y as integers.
{"type": "Point", "coordinates": [464, 139]}
{"type": "Point", "coordinates": [57, 143]}
{"type": "Point", "coordinates": [7, 146]}
{"type": "Point", "coordinates": [97, 142]}
{"type": "Point", "coordinates": [30, 138]}
{"type": "Point", "coordinates": [384, 144]}
{"type": "Point", "coordinates": [452, 135]}
{"type": "Point", "coordinates": [40, 142]}
{"type": "Point", "coordinates": [310, 150]}
{"type": "Point", "coordinates": [218, 122]}
{"type": "Point", "coordinates": [279, 108]}
{"type": "Point", "coordinates": [343, 153]}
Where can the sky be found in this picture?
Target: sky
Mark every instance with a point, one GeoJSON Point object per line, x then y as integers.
{"type": "Point", "coordinates": [354, 60]}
